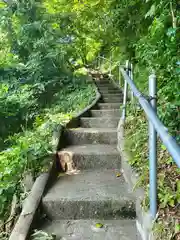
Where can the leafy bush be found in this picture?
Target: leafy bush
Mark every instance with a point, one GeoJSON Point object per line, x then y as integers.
{"type": "Point", "coordinates": [29, 149]}
{"type": "Point", "coordinates": [39, 88]}
{"type": "Point", "coordinates": [168, 175]}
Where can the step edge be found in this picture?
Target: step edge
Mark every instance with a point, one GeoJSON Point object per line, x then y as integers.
{"type": "Point", "coordinates": [113, 117]}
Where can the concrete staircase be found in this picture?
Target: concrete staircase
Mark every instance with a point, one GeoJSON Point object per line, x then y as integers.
{"type": "Point", "coordinates": [97, 194]}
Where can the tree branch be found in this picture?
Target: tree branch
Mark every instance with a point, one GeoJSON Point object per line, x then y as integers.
{"type": "Point", "coordinates": [174, 19]}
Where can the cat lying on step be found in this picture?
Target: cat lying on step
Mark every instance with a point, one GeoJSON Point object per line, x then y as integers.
{"type": "Point", "coordinates": [66, 162]}
{"type": "Point", "coordinates": [97, 76]}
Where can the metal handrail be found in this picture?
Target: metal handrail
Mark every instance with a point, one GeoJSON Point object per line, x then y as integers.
{"type": "Point", "coordinates": [109, 60]}
{"type": "Point", "coordinates": [155, 127]}
{"type": "Point", "coordinates": [162, 131]}
{"type": "Point", "coordinates": [110, 67]}
{"type": "Point", "coordinates": [105, 58]}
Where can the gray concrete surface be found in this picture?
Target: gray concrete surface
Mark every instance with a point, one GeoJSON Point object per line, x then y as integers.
{"type": "Point", "coordinates": [112, 100]}
{"type": "Point", "coordinates": [95, 156]}
{"type": "Point", "coordinates": [105, 88]}
{"type": "Point", "coordinates": [103, 85]}
{"type": "Point", "coordinates": [95, 191]}
{"type": "Point", "coordinates": [109, 105]}
{"type": "Point", "coordinates": [100, 122]}
{"type": "Point", "coordinates": [109, 91]}
{"type": "Point", "coordinates": [79, 136]}
{"type": "Point", "coordinates": [89, 194]}
{"type": "Point", "coordinates": [112, 95]}
{"type": "Point", "coordinates": [86, 229]}
{"type": "Point", "coordinates": [106, 113]}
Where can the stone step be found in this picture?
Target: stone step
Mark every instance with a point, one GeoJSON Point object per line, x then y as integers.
{"type": "Point", "coordinates": [89, 194]}
{"type": "Point", "coordinates": [109, 105]}
{"type": "Point", "coordinates": [103, 82]}
{"type": "Point", "coordinates": [112, 95]}
{"type": "Point", "coordinates": [106, 113]}
{"type": "Point", "coordinates": [96, 122]}
{"type": "Point", "coordinates": [109, 87]}
{"type": "Point", "coordinates": [95, 156]}
{"type": "Point", "coordinates": [85, 229]}
{"type": "Point", "coordinates": [79, 136]}
{"type": "Point", "coordinates": [105, 86]}
{"type": "Point", "coordinates": [111, 92]}
{"type": "Point", "coordinates": [112, 100]}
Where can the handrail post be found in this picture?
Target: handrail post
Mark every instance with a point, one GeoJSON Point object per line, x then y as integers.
{"type": "Point", "coordinates": [110, 64]}
{"type": "Point", "coordinates": [153, 149]}
{"type": "Point", "coordinates": [132, 94]}
{"type": "Point", "coordinates": [102, 62]}
{"type": "Point", "coordinates": [119, 75]}
{"type": "Point", "coordinates": [99, 63]}
{"type": "Point", "coordinates": [125, 93]}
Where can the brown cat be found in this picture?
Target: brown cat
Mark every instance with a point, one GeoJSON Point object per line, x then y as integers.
{"type": "Point", "coordinates": [66, 162]}
{"type": "Point", "coordinates": [97, 76]}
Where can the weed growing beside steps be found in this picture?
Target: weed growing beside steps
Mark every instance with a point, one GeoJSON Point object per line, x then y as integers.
{"type": "Point", "coordinates": [167, 226]}
{"type": "Point", "coordinates": [29, 149]}
{"type": "Point", "coordinates": [40, 235]}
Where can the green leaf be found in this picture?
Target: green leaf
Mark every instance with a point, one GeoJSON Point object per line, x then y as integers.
{"type": "Point", "coordinates": [171, 203]}
{"type": "Point", "coordinates": [177, 227]}
{"type": "Point", "coordinates": [171, 32]}
{"type": "Point", "coordinates": [99, 225]}
{"type": "Point", "coordinates": [151, 12]}
{"type": "Point", "coordinates": [163, 147]}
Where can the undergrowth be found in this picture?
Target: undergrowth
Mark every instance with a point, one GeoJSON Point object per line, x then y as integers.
{"type": "Point", "coordinates": [40, 235]}
{"type": "Point", "coordinates": [29, 150]}
{"type": "Point", "coordinates": [136, 132]}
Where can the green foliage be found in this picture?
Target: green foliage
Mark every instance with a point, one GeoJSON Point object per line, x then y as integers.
{"type": "Point", "coordinates": [168, 174]}
{"type": "Point", "coordinates": [38, 57]}
{"type": "Point", "coordinates": [39, 85]}
{"type": "Point", "coordinates": [30, 149]}
{"type": "Point", "coordinates": [40, 235]}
